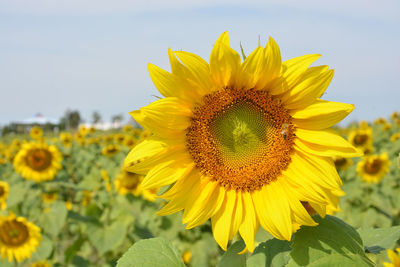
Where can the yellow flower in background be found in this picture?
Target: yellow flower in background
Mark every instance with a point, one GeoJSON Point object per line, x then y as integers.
{"type": "Point", "coordinates": [130, 141]}
{"type": "Point", "coordinates": [110, 150]}
{"type": "Point", "coordinates": [394, 258]}
{"type": "Point", "coordinates": [387, 126]}
{"type": "Point", "coordinates": [80, 138]}
{"type": "Point", "coordinates": [49, 197]}
{"type": "Point", "coordinates": [119, 138]}
{"type": "Point", "coordinates": [92, 130]}
{"type": "Point", "coordinates": [127, 128]}
{"type": "Point", "coordinates": [86, 197]}
{"type": "Point", "coordinates": [38, 162]}
{"type": "Point", "coordinates": [128, 183]}
{"type": "Point", "coordinates": [83, 130]}
{"type": "Point", "coordinates": [380, 121]}
{"type": "Point", "coordinates": [93, 140]}
{"type": "Point", "coordinates": [144, 134]}
{"type": "Point", "coordinates": [18, 238]}
{"type": "Point", "coordinates": [150, 194]}
{"type": "Point", "coordinates": [342, 163]}
{"type": "Point", "coordinates": [395, 137]}
{"type": "Point", "coordinates": [243, 143]}
{"type": "Point", "coordinates": [362, 139]}
{"type": "Point", "coordinates": [2, 161]}
{"type": "Point", "coordinates": [187, 257]}
{"type": "Point", "coordinates": [13, 149]}
{"type": "Point", "coordinates": [41, 264]}
{"type": "Point", "coordinates": [108, 138]}
{"type": "Point", "coordinates": [4, 191]}
{"type": "Point", "coordinates": [395, 115]}
{"type": "Point", "coordinates": [36, 132]}
{"type": "Point", "coordinates": [66, 139]}
{"type": "Point", "coordinates": [68, 205]}
{"type": "Point", "coordinates": [373, 168]}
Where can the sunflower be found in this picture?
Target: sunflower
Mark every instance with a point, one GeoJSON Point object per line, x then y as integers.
{"type": "Point", "coordinates": [49, 197]}
{"type": "Point", "coordinates": [110, 150]}
{"type": "Point", "coordinates": [119, 138]}
{"type": "Point", "coordinates": [18, 238]}
{"type": "Point", "coordinates": [394, 258]}
{"type": "Point", "coordinates": [86, 197]}
{"type": "Point", "coordinates": [242, 143]}
{"type": "Point", "coordinates": [128, 183]}
{"type": "Point", "coordinates": [4, 190]}
{"type": "Point", "coordinates": [362, 139]}
{"type": "Point", "coordinates": [373, 168]}
{"type": "Point", "coordinates": [130, 141]}
{"type": "Point", "coordinates": [395, 115]}
{"type": "Point", "coordinates": [342, 163]}
{"type": "Point", "coordinates": [66, 139]}
{"type": "Point", "coordinates": [395, 137]}
{"type": "Point", "coordinates": [38, 161]}
{"type": "Point", "coordinates": [36, 132]}
{"type": "Point", "coordinates": [41, 264]}
{"type": "Point", "coordinates": [127, 128]}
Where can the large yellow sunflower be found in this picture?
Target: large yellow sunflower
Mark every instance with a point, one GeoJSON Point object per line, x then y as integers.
{"type": "Point", "coordinates": [38, 161]}
{"type": "Point", "coordinates": [18, 238]}
{"type": "Point", "coordinates": [243, 143]}
{"type": "Point", "coordinates": [4, 190]}
{"type": "Point", "coordinates": [373, 168]}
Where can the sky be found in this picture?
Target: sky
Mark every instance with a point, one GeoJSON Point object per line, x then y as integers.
{"type": "Point", "coordinates": [92, 55]}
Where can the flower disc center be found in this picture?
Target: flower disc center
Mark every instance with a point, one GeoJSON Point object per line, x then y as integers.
{"type": "Point", "coordinates": [39, 159]}
{"type": "Point", "coordinates": [242, 139]}
{"type": "Point", "coordinates": [13, 233]}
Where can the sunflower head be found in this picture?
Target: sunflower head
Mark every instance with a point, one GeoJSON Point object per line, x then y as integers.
{"type": "Point", "coordinates": [18, 238]}
{"type": "Point", "coordinates": [395, 137]}
{"type": "Point", "coordinates": [130, 141]}
{"type": "Point", "coordinates": [38, 161]}
{"type": "Point", "coordinates": [4, 191]}
{"type": "Point", "coordinates": [42, 263]}
{"type": "Point", "coordinates": [36, 132]}
{"type": "Point", "coordinates": [119, 138]}
{"type": "Point", "coordinates": [243, 143]}
{"type": "Point", "coordinates": [127, 128]}
{"type": "Point", "coordinates": [49, 197]}
{"type": "Point", "coordinates": [110, 150]}
{"type": "Point", "coordinates": [362, 139]}
{"type": "Point", "coordinates": [373, 168]}
{"type": "Point", "coordinates": [66, 139]}
{"type": "Point", "coordinates": [128, 183]}
{"type": "Point", "coordinates": [342, 163]}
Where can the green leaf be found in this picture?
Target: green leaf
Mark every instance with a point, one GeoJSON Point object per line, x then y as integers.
{"type": "Point", "coordinates": [107, 238]}
{"type": "Point", "coordinates": [153, 252]}
{"type": "Point", "coordinates": [54, 220]}
{"type": "Point", "coordinates": [44, 250]}
{"type": "Point", "coordinates": [377, 240]}
{"type": "Point", "coordinates": [331, 243]}
{"type": "Point", "coordinates": [231, 256]}
{"type": "Point", "coordinates": [74, 248]}
{"type": "Point", "coordinates": [273, 253]}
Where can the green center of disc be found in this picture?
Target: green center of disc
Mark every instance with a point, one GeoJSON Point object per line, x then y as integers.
{"type": "Point", "coordinates": [241, 132]}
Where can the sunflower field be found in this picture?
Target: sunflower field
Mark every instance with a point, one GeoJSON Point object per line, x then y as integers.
{"type": "Point", "coordinates": [257, 173]}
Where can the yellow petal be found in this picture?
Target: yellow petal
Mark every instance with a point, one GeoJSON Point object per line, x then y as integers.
{"type": "Point", "coordinates": [326, 151]}
{"type": "Point", "coordinates": [166, 117]}
{"type": "Point", "coordinates": [311, 86]}
{"type": "Point", "coordinates": [325, 138]}
{"type": "Point", "coordinates": [222, 220]}
{"type": "Point", "coordinates": [321, 114]}
{"type": "Point", "coordinates": [199, 70]}
{"type": "Point", "coordinates": [273, 210]}
{"type": "Point", "coordinates": [237, 215]}
{"type": "Point", "coordinates": [167, 172]}
{"type": "Point", "coordinates": [272, 64]}
{"type": "Point", "coordinates": [252, 68]}
{"type": "Point", "coordinates": [224, 62]}
{"type": "Point", "coordinates": [291, 72]}
{"type": "Point", "coordinates": [250, 225]}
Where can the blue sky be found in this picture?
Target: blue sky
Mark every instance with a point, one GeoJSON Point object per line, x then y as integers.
{"type": "Point", "coordinates": [93, 55]}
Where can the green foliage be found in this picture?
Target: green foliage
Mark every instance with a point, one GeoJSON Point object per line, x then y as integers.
{"type": "Point", "coordinates": [378, 240]}
{"type": "Point", "coordinates": [272, 253]}
{"type": "Point", "coordinates": [331, 243]}
{"type": "Point", "coordinates": [153, 252]}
